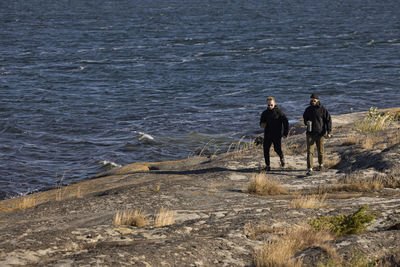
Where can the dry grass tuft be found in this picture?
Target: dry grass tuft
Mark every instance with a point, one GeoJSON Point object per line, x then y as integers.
{"type": "Point", "coordinates": [333, 258]}
{"type": "Point", "coordinates": [331, 162]}
{"type": "Point", "coordinates": [390, 179]}
{"type": "Point", "coordinates": [357, 182]}
{"type": "Point", "coordinates": [79, 192]}
{"type": "Point", "coordinates": [281, 252]}
{"type": "Point", "coordinates": [60, 194]}
{"type": "Point", "coordinates": [375, 121]}
{"type": "Point", "coordinates": [134, 218]}
{"type": "Point", "coordinates": [294, 149]}
{"type": "Point", "coordinates": [164, 217]}
{"type": "Point", "coordinates": [309, 202]}
{"type": "Point", "coordinates": [393, 138]}
{"type": "Point", "coordinates": [357, 258]}
{"type": "Point", "coordinates": [215, 147]}
{"type": "Point", "coordinates": [373, 140]}
{"type": "Point", "coordinates": [27, 202]}
{"type": "Point", "coordinates": [367, 143]}
{"type": "Point", "coordinates": [261, 184]}
{"type": "Point", "coordinates": [393, 178]}
{"type": "Point", "coordinates": [238, 149]}
{"type": "Point", "coordinates": [392, 182]}
{"type": "Point", "coordinates": [389, 260]}
{"type": "Point", "coordinates": [253, 231]}
{"type": "Point", "coordinates": [353, 182]}
{"type": "Point", "coordinates": [350, 140]}
{"type": "Point", "coordinates": [370, 141]}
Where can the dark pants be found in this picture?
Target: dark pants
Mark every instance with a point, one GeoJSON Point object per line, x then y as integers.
{"type": "Point", "coordinates": [268, 141]}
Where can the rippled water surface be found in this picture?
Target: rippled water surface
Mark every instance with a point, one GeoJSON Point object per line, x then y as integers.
{"type": "Point", "coordinates": [80, 81]}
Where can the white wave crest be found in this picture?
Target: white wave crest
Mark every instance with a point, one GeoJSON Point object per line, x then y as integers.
{"type": "Point", "coordinates": [145, 136]}
{"type": "Point", "coordinates": [109, 164]}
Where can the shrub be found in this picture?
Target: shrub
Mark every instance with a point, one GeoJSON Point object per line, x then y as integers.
{"type": "Point", "coordinates": [343, 225]}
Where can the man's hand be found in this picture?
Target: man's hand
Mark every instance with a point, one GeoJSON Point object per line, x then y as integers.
{"type": "Point", "coordinates": [263, 125]}
{"type": "Point", "coordinates": [284, 136]}
{"type": "Point", "coordinates": [328, 135]}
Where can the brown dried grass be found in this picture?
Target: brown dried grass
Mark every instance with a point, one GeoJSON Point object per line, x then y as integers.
{"type": "Point", "coordinates": [164, 217]}
{"type": "Point", "coordinates": [357, 258]}
{"type": "Point", "coordinates": [60, 193]}
{"type": "Point", "coordinates": [332, 254]}
{"type": "Point", "coordinates": [355, 182]}
{"type": "Point", "coordinates": [294, 149]}
{"type": "Point", "coordinates": [370, 141]}
{"type": "Point", "coordinates": [253, 231]}
{"type": "Point", "coordinates": [376, 121]}
{"type": "Point", "coordinates": [133, 218]}
{"type": "Point", "coordinates": [393, 138]}
{"type": "Point", "coordinates": [79, 192]}
{"type": "Point", "coordinates": [393, 178]}
{"type": "Point", "coordinates": [281, 252]}
{"type": "Point", "coordinates": [350, 140]}
{"type": "Point", "coordinates": [389, 260]}
{"type": "Point", "coordinates": [27, 202]}
{"type": "Point", "coordinates": [261, 184]}
{"type": "Point", "coordinates": [331, 162]}
{"type": "Point", "coordinates": [309, 202]}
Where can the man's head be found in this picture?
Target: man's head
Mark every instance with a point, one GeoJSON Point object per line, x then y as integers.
{"type": "Point", "coordinates": [314, 98]}
{"type": "Point", "coordinates": [270, 102]}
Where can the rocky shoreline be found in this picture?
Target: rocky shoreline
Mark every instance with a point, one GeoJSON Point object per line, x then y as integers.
{"type": "Point", "coordinates": [216, 222]}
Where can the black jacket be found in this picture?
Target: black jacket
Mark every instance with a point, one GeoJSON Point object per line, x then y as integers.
{"type": "Point", "coordinates": [277, 123]}
{"type": "Point", "coordinates": [320, 118]}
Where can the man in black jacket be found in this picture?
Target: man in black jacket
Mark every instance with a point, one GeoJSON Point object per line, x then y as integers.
{"type": "Point", "coordinates": [318, 121]}
{"type": "Point", "coordinates": [275, 125]}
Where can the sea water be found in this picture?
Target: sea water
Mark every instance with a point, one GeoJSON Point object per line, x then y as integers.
{"type": "Point", "coordinates": [90, 83]}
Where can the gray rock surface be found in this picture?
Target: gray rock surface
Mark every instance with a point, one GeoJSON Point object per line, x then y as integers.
{"type": "Point", "coordinates": [73, 226]}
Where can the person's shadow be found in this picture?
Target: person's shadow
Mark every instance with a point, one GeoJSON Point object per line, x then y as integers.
{"type": "Point", "coordinates": [219, 169]}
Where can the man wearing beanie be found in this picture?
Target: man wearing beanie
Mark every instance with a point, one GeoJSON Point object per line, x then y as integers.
{"type": "Point", "coordinates": [275, 125]}
{"type": "Point", "coordinates": [318, 121]}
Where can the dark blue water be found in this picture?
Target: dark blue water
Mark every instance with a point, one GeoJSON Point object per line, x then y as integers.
{"type": "Point", "coordinates": [79, 80]}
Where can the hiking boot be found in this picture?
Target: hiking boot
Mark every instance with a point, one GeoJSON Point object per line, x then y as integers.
{"type": "Point", "coordinates": [309, 172]}
{"type": "Point", "coordinates": [320, 168]}
{"type": "Point", "coordinates": [282, 162]}
{"type": "Point", "coordinates": [267, 169]}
